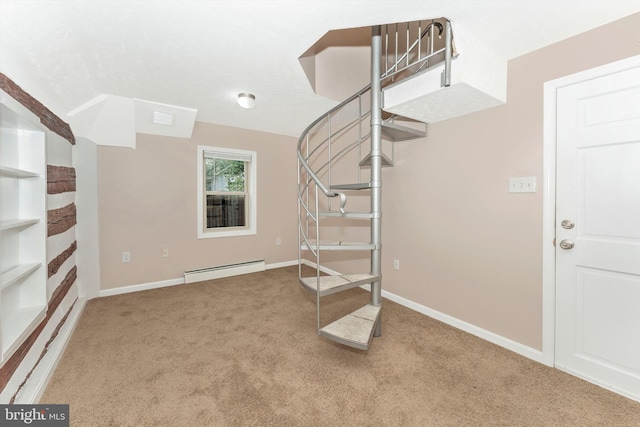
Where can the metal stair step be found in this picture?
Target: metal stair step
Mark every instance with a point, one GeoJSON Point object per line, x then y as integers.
{"type": "Point", "coordinates": [338, 245]}
{"type": "Point", "coordinates": [332, 284]}
{"type": "Point", "coordinates": [366, 161]}
{"type": "Point", "coordinates": [354, 186]}
{"type": "Point", "coordinates": [355, 329]}
{"type": "Point", "coordinates": [350, 215]}
{"type": "Point", "coordinates": [396, 132]}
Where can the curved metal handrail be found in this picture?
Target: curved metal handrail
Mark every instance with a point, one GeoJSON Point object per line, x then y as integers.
{"type": "Point", "coordinates": [395, 69]}
{"type": "Point", "coordinates": [327, 192]}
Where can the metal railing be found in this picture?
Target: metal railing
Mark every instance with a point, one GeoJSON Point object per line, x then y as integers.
{"type": "Point", "coordinates": [408, 48]}
{"type": "Point", "coordinates": [412, 46]}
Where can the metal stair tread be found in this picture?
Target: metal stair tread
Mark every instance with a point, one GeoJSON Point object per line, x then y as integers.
{"type": "Point", "coordinates": [354, 329]}
{"type": "Point", "coordinates": [396, 132]}
{"type": "Point", "coordinates": [350, 215]}
{"type": "Point", "coordinates": [366, 161]}
{"type": "Point", "coordinates": [354, 186]}
{"type": "Point", "coordinates": [332, 284]}
{"type": "Point", "coordinates": [339, 245]}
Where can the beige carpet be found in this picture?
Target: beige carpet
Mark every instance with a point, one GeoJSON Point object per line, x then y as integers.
{"type": "Point", "coordinates": [243, 351]}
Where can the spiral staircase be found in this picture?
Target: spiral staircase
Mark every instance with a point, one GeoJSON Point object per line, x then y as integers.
{"type": "Point", "coordinates": [340, 158]}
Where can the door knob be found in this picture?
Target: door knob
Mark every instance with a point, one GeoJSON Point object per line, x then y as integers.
{"type": "Point", "coordinates": [566, 244]}
{"type": "Point", "coordinates": [567, 224]}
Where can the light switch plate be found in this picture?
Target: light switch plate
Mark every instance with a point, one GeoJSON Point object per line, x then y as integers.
{"type": "Point", "coordinates": [522, 184]}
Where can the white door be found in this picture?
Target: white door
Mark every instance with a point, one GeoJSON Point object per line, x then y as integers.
{"type": "Point", "coordinates": [598, 231]}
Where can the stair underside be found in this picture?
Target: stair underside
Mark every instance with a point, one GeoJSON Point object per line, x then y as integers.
{"type": "Point", "coordinates": [396, 132]}
{"type": "Point", "coordinates": [366, 161]}
{"type": "Point", "coordinates": [354, 329]}
{"type": "Point", "coordinates": [338, 245]}
{"type": "Point", "coordinates": [332, 284]}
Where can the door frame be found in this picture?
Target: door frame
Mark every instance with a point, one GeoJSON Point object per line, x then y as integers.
{"type": "Point", "coordinates": [549, 193]}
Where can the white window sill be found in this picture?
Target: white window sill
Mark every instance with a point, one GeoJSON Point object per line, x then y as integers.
{"type": "Point", "coordinates": [226, 233]}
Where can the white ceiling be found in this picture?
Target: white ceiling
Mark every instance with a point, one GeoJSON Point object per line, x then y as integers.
{"type": "Point", "coordinates": [200, 53]}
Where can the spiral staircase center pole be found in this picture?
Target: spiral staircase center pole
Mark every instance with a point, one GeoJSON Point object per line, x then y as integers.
{"type": "Point", "coordinates": [376, 168]}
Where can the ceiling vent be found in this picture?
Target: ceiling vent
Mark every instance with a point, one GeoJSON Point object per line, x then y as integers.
{"type": "Point", "coordinates": [161, 118]}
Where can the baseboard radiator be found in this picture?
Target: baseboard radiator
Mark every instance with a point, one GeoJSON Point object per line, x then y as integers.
{"type": "Point", "coordinates": [220, 271]}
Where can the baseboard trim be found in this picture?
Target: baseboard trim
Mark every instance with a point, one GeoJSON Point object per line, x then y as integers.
{"type": "Point", "coordinates": [171, 282]}
{"type": "Point", "coordinates": [36, 385]}
{"type": "Point", "coordinates": [281, 264]}
{"type": "Point", "coordinates": [140, 287]}
{"type": "Point", "coordinates": [492, 337]}
{"type": "Point", "coordinates": [221, 271]}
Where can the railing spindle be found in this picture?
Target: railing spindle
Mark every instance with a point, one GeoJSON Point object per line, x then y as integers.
{"type": "Point", "coordinates": [419, 39]}
{"type": "Point", "coordinates": [396, 59]}
{"type": "Point", "coordinates": [447, 54]}
{"type": "Point", "coordinates": [330, 139]}
{"type": "Point", "coordinates": [431, 35]}
{"type": "Point", "coordinates": [407, 47]}
{"type": "Point", "coordinates": [386, 49]}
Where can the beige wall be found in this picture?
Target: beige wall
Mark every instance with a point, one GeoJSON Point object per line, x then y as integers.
{"type": "Point", "coordinates": [468, 248]}
{"type": "Point", "coordinates": [348, 65]}
{"type": "Point", "coordinates": [147, 201]}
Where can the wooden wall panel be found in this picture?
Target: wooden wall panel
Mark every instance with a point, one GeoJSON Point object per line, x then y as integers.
{"type": "Point", "coordinates": [60, 179]}
{"type": "Point", "coordinates": [55, 263]}
{"type": "Point", "coordinates": [60, 220]}
{"type": "Point", "coordinates": [47, 118]}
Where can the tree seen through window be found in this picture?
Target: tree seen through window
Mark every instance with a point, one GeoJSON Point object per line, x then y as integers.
{"type": "Point", "coordinates": [226, 197]}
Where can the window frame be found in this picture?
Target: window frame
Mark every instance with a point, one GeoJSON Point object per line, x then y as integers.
{"type": "Point", "coordinates": [251, 169]}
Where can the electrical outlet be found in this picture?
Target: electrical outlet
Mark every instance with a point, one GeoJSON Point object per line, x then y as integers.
{"type": "Point", "coordinates": [126, 256]}
{"type": "Point", "coordinates": [165, 252]}
{"type": "Point", "coordinates": [396, 264]}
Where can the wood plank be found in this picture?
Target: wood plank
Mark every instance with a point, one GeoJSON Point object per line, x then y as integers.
{"type": "Point", "coordinates": [60, 220]}
{"type": "Point", "coordinates": [60, 179]}
{"type": "Point", "coordinates": [46, 116]}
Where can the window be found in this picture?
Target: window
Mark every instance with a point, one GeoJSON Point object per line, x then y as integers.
{"type": "Point", "coordinates": [226, 192]}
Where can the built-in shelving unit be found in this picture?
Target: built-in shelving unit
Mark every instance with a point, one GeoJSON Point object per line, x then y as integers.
{"type": "Point", "coordinates": [23, 279]}
{"type": "Point", "coordinates": [17, 223]}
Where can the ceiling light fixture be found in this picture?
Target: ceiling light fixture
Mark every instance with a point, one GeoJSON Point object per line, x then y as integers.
{"type": "Point", "coordinates": [246, 100]}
